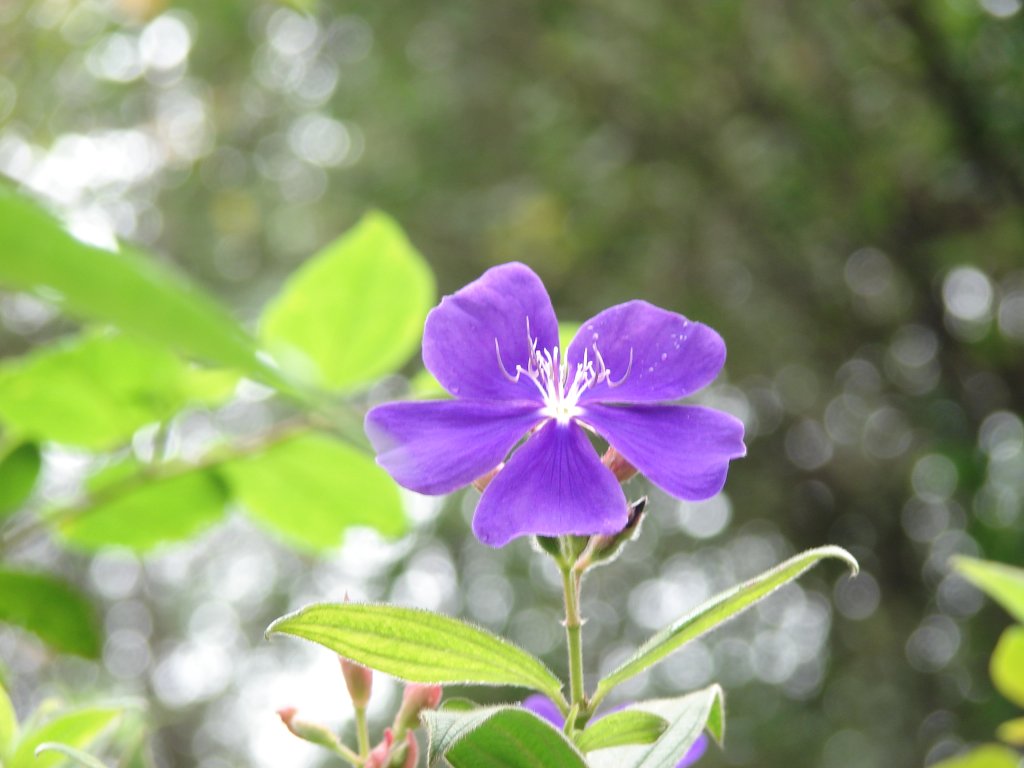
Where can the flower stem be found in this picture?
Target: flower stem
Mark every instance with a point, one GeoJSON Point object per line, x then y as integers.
{"type": "Point", "coordinates": [362, 732]}
{"type": "Point", "coordinates": [573, 626]}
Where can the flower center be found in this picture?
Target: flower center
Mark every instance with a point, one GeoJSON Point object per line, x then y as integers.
{"type": "Point", "coordinates": [560, 387]}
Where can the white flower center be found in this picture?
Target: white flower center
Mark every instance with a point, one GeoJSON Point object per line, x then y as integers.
{"type": "Point", "coordinates": [551, 375]}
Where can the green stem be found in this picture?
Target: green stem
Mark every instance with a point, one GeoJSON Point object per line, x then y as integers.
{"type": "Point", "coordinates": [573, 626]}
{"type": "Point", "coordinates": [362, 732]}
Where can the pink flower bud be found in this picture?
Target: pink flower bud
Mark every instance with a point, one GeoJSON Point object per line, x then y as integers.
{"type": "Point", "coordinates": [412, 751]}
{"type": "Point", "coordinates": [416, 698]}
{"type": "Point", "coordinates": [484, 480]}
{"type": "Point", "coordinates": [358, 680]}
{"type": "Point", "coordinates": [617, 463]}
{"type": "Point", "coordinates": [381, 754]}
{"type": "Point", "coordinates": [314, 733]}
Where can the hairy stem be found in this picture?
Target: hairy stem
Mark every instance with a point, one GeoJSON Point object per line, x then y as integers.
{"type": "Point", "coordinates": [362, 732]}
{"type": "Point", "coordinates": [573, 626]}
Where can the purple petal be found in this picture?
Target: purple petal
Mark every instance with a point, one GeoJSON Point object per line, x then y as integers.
{"type": "Point", "coordinates": [436, 446]}
{"type": "Point", "coordinates": [460, 333]}
{"type": "Point", "coordinates": [671, 356]}
{"type": "Point", "coordinates": [553, 485]}
{"type": "Point", "coordinates": [544, 707]}
{"type": "Point", "coordinates": [695, 752]}
{"type": "Point", "coordinates": [683, 449]}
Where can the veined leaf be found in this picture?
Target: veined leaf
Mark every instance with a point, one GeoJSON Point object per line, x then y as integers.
{"type": "Point", "coordinates": [355, 311]}
{"type": "Point", "coordinates": [631, 726]}
{"type": "Point", "coordinates": [311, 487]}
{"type": "Point", "coordinates": [1003, 583]}
{"type": "Point", "coordinates": [19, 469]}
{"type": "Point", "coordinates": [8, 725]}
{"type": "Point", "coordinates": [501, 737]}
{"type": "Point", "coordinates": [418, 646]}
{"type": "Point", "coordinates": [1007, 665]}
{"type": "Point", "coordinates": [985, 756]}
{"type": "Point", "coordinates": [51, 609]}
{"type": "Point", "coordinates": [76, 729]}
{"type": "Point", "coordinates": [75, 755]}
{"type": "Point", "coordinates": [126, 288]}
{"type": "Point", "coordinates": [715, 611]}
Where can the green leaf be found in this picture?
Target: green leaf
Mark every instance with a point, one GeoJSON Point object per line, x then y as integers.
{"type": "Point", "coordinates": [138, 511]}
{"type": "Point", "coordinates": [355, 311]}
{"type": "Point", "coordinates": [75, 729]}
{"type": "Point", "coordinates": [93, 391]}
{"type": "Point", "coordinates": [8, 725]}
{"type": "Point", "coordinates": [76, 755]}
{"type": "Point", "coordinates": [418, 646]}
{"type": "Point", "coordinates": [715, 611]}
{"type": "Point", "coordinates": [1003, 583]}
{"type": "Point", "coordinates": [1012, 732]}
{"type": "Point", "coordinates": [1007, 665]}
{"type": "Point", "coordinates": [498, 737]}
{"type": "Point", "coordinates": [53, 610]}
{"type": "Point", "coordinates": [19, 469]}
{"type": "Point", "coordinates": [686, 717]}
{"type": "Point", "coordinates": [621, 728]}
{"type": "Point", "coordinates": [126, 288]}
{"type": "Point", "coordinates": [985, 756]}
{"type": "Point", "coordinates": [567, 331]}
{"type": "Point", "coordinates": [311, 487]}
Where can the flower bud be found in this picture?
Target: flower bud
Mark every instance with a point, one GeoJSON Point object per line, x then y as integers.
{"type": "Point", "coordinates": [380, 755]}
{"type": "Point", "coordinates": [416, 698]}
{"type": "Point", "coordinates": [358, 680]}
{"type": "Point", "coordinates": [314, 733]}
{"type": "Point", "coordinates": [617, 463]}
{"type": "Point", "coordinates": [484, 480]}
{"type": "Point", "coordinates": [412, 751]}
{"type": "Point", "coordinates": [605, 548]}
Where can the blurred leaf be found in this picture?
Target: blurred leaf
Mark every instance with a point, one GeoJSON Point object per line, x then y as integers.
{"type": "Point", "coordinates": [566, 332]}
{"type": "Point", "coordinates": [76, 755]}
{"type": "Point", "coordinates": [509, 737]}
{"type": "Point", "coordinates": [51, 609]}
{"type": "Point", "coordinates": [686, 717]}
{"type": "Point", "coordinates": [986, 756]}
{"type": "Point", "coordinates": [717, 610]}
{"type": "Point", "coordinates": [311, 487]}
{"type": "Point", "coordinates": [1003, 583]}
{"type": "Point", "coordinates": [423, 386]}
{"type": "Point", "coordinates": [18, 472]}
{"type": "Point", "coordinates": [76, 729]}
{"type": "Point", "coordinates": [418, 646]}
{"type": "Point", "coordinates": [8, 725]}
{"type": "Point", "coordinates": [620, 728]}
{"type": "Point", "coordinates": [96, 390]}
{"type": "Point", "coordinates": [149, 511]}
{"type": "Point", "coordinates": [1007, 665]}
{"type": "Point", "coordinates": [1012, 732]}
{"type": "Point", "coordinates": [126, 288]}
{"type": "Point", "coordinates": [355, 311]}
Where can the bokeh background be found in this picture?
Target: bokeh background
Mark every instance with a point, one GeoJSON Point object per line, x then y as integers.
{"type": "Point", "coordinates": [835, 187]}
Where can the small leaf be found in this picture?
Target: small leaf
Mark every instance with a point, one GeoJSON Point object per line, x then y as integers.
{"type": "Point", "coordinates": [140, 512]}
{"type": "Point", "coordinates": [126, 288]}
{"type": "Point", "coordinates": [418, 646]}
{"type": "Point", "coordinates": [18, 472]}
{"type": "Point", "coordinates": [355, 311]}
{"type": "Point", "coordinates": [715, 611]}
{"type": "Point", "coordinates": [1012, 732]}
{"type": "Point", "coordinates": [94, 390]}
{"type": "Point", "coordinates": [311, 487]}
{"type": "Point", "coordinates": [985, 756]}
{"type": "Point", "coordinates": [76, 755]}
{"type": "Point", "coordinates": [76, 729]}
{"type": "Point", "coordinates": [8, 725]}
{"type": "Point", "coordinates": [621, 728]}
{"type": "Point", "coordinates": [686, 718]}
{"type": "Point", "coordinates": [1007, 665]}
{"type": "Point", "coordinates": [502, 737]}
{"type": "Point", "coordinates": [53, 610]}
{"type": "Point", "coordinates": [1003, 583]}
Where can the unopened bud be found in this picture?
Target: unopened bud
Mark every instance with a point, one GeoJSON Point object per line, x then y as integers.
{"type": "Point", "coordinates": [380, 755]}
{"type": "Point", "coordinates": [412, 751]}
{"type": "Point", "coordinates": [358, 680]}
{"type": "Point", "coordinates": [416, 698]}
{"type": "Point", "coordinates": [617, 463]}
{"type": "Point", "coordinates": [605, 548]}
{"type": "Point", "coordinates": [314, 733]}
{"type": "Point", "coordinates": [484, 480]}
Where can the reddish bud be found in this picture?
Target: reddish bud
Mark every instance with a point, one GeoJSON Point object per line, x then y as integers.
{"type": "Point", "coordinates": [358, 680]}
{"type": "Point", "coordinates": [314, 733]}
{"type": "Point", "coordinates": [412, 751]}
{"type": "Point", "coordinates": [381, 754]}
{"type": "Point", "coordinates": [416, 698]}
{"type": "Point", "coordinates": [617, 463]}
{"type": "Point", "coordinates": [484, 480]}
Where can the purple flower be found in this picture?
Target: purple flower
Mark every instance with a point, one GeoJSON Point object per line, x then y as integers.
{"type": "Point", "coordinates": [543, 707]}
{"type": "Point", "coordinates": [494, 346]}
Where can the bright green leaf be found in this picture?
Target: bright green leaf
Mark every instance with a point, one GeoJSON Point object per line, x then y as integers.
{"type": "Point", "coordinates": [620, 728]}
{"type": "Point", "coordinates": [986, 756]}
{"type": "Point", "coordinates": [423, 386]}
{"type": "Point", "coordinates": [131, 510]}
{"type": "Point", "coordinates": [566, 333]}
{"type": "Point", "coordinates": [8, 725]}
{"type": "Point", "coordinates": [77, 729]}
{"type": "Point", "coordinates": [354, 312]}
{"type": "Point", "coordinates": [126, 288]}
{"type": "Point", "coordinates": [19, 469]}
{"type": "Point", "coordinates": [311, 487]}
{"type": "Point", "coordinates": [418, 646]}
{"type": "Point", "coordinates": [93, 391]}
{"type": "Point", "coordinates": [76, 755]}
{"type": "Point", "coordinates": [498, 737]}
{"type": "Point", "coordinates": [717, 610]}
{"type": "Point", "coordinates": [1003, 583]}
{"type": "Point", "coordinates": [1012, 732]}
{"type": "Point", "coordinates": [53, 610]}
{"type": "Point", "coordinates": [1007, 665]}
